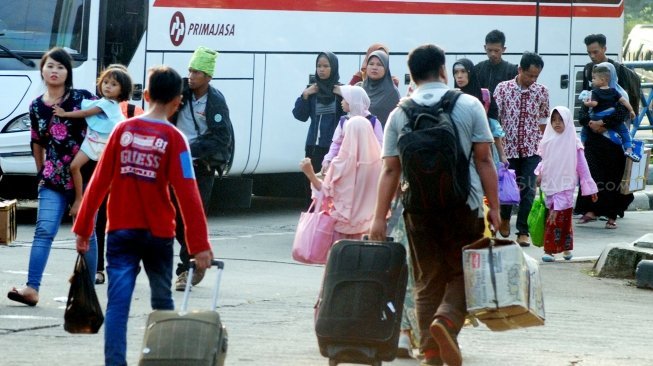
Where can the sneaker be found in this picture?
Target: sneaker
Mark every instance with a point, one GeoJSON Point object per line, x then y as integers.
{"type": "Point", "coordinates": [431, 361]}
{"type": "Point", "coordinates": [404, 350]}
{"type": "Point", "coordinates": [523, 240]}
{"type": "Point", "coordinates": [504, 229]}
{"type": "Point", "coordinates": [180, 284]}
{"type": "Point", "coordinates": [99, 278]}
{"type": "Point", "coordinates": [632, 156]}
{"type": "Point", "coordinates": [567, 255]}
{"type": "Point", "coordinates": [198, 275]}
{"type": "Point", "coordinates": [445, 337]}
{"type": "Point", "coordinates": [431, 358]}
{"type": "Point", "coordinates": [548, 258]}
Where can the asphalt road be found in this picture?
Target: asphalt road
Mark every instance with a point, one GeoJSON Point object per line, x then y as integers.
{"type": "Point", "coordinates": [267, 302]}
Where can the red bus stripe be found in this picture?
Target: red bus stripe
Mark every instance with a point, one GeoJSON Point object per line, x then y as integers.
{"type": "Point", "coordinates": [394, 7]}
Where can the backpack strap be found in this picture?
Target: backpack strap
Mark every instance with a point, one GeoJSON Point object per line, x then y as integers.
{"type": "Point", "coordinates": [372, 118]}
{"type": "Point", "coordinates": [412, 108]}
{"type": "Point", "coordinates": [342, 121]}
{"type": "Point", "coordinates": [449, 99]}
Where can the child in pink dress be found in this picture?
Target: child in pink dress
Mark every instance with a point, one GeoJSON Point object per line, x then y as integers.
{"type": "Point", "coordinates": [349, 187]}
{"type": "Point", "coordinates": [356, 103]}
{"type": "Point", "coordinates": [563, 164]}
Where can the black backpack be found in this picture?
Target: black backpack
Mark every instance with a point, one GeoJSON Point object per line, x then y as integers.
{"type": "Point", "coordinates": [632, 84]}
{"type": "Point", "coordinates": [435, 168]}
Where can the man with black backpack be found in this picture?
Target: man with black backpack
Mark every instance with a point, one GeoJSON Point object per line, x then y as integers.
{"type": "Point", "coordinates": [440, 141]}
{"type": "Point", "coordinates": [203, 117]}
{"type": "Point", "coordinates": [628, 79]}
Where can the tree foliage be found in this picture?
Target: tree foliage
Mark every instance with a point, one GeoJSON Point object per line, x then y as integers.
{"type": "Point", "coordinates": [637, 12]}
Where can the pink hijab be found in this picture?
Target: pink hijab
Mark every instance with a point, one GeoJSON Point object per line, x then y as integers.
{"type": "Point", "coordinates": [357, 98]}
{"type": "Point", "coordinates": [352, 178]}
{"type": "Point", "coordinates": [558, 152]}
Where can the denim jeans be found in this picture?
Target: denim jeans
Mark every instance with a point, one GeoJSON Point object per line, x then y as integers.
{"type": "Point", "coordinates": [51, 208]}
{"type": "Point", "coordinates": [527, 183]}
{"type": "Point", "coordinates": [205, 178]}
{"type": "Point", "coordinates": [125, 250]}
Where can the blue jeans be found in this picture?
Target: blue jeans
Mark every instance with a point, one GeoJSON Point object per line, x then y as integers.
{"type": "Point", "coordinates": [52, 205]}
{"type": "Point", "coordinates": [125, 250]}
{"type": "Point", "coordinates": [527, 183]}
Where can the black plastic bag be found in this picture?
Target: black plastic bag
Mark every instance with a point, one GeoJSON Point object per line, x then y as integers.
{"type": "Point", "coordinates": [83, 312]}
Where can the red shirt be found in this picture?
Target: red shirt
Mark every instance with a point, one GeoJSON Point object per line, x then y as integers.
{"type": "Point", "coordinates": [142, 159]}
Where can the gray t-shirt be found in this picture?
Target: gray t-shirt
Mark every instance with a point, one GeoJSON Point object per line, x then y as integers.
{"type": "Point", "coordinates": [185, 121]}
{"type": "Point", "coordinates": [469, 116]}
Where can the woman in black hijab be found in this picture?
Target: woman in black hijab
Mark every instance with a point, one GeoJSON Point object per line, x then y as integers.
{"type": "Point", "coordinates": [378, 84]}
{"type": "Point", "coordinates": [322, 106]}
{"type": "Point", "coordinates": [466, 80]}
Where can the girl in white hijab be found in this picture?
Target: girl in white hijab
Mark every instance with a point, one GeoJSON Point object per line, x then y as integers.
{"type": "Point", "coordinates": [563, 164]}
{"type": "Point", "coordinates": [356, 103]}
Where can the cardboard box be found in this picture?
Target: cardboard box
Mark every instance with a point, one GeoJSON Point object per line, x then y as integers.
{"type": "Point", "coordinates": [506, 293]}
{"type": "Point", "coordinates": [635, 174]}
{"type": "Point", "coordinates": [7, 221]}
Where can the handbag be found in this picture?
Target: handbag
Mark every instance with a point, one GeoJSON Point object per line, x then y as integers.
{"type": "Point", "coordinates": [314, 235]}
{"type": "Point", "coordinates": [508, 190]}
{"type": "Point", "coordinates": [537, 220]}
{"type": "Point", "coordinates": [83, 312]}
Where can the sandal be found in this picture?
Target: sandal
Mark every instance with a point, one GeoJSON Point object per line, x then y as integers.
{"type": "Point", "coordinates": [99, 278]}
{"type": "Point", "coordinates": [585, 219]}
{"type": "Point", "coordinates": [610, 225]}
{"type": "Point", "coordinates": [20, 296]}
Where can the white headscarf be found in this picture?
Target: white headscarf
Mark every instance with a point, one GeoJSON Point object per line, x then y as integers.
{"type": "Point", "coordinates": [558, 152]}
{"type": "Point", "coordinates": [357, 98]}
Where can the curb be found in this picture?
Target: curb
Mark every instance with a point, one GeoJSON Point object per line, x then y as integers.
{"type": "Point", "coordinates": [643, 201]}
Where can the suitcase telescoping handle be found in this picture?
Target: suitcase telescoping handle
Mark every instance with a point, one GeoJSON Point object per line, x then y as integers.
{"type": "Point", "coordinates": [214, 302]}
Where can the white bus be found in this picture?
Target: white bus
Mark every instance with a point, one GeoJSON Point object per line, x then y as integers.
{"type": "Point", "coordinates": [268, 50]}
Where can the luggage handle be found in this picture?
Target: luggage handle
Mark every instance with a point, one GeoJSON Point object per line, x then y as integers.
{"type": "Point", "coordinates": [191, 269]}
{"type": "Point", "coordinates": [366, 237]}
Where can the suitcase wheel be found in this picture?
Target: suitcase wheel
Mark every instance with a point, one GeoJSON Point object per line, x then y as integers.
{"type": "Point", "coordinates": [333, 362]}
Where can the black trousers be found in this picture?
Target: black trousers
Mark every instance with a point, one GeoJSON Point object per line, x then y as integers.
{"type": "Point", "coordinates": [205, 176]}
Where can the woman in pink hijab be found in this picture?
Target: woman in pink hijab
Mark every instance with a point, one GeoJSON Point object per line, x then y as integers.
{"type": "Point", "coordinates": [351, 179]}
{"type": "Point", "coordinates": [563, 164]}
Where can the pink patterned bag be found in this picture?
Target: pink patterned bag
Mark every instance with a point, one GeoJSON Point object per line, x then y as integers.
{"type": "Point", "coordinates": [314, 235]}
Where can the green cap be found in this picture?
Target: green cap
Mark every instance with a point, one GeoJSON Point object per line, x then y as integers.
{"type": "Point", "coordinates": [203, 60]}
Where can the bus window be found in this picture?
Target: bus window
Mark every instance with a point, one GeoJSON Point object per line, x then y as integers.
{"type": "Point", "coordinates": [38, 25]}
{"type": "Point", "coordinates": [123, 26]}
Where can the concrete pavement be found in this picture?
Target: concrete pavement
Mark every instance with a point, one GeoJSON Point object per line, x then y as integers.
{"type": "Point", "coordinates": [267, 303]}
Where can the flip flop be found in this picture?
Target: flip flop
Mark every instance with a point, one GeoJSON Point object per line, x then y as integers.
{"type": "Point", "coordinates": [610, 225]}
{"type": "Point", "coordinates": [18, 297]}
{"type": "Point", "coordinates": [585, 219]}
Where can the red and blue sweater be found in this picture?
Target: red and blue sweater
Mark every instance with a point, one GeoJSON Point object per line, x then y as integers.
{"type": "Point", "coordinates": [142, 159]}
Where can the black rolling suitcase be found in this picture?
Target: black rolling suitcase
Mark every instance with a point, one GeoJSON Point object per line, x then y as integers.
{"type": "Point", "coordinates": [183, 338]}
{"type": "Point", "coordinates": [360, 307]}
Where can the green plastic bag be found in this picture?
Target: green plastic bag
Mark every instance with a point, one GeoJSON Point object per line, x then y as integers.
{"type": "Point", "coordinates": [537, 220]}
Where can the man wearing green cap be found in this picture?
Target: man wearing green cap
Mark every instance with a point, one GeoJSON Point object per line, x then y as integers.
{"type": "Point", "coordinates": [203, 117]}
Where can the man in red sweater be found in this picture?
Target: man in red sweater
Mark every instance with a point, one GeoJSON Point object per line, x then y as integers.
{"type": "Point", "coordinates": [144, 156]}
